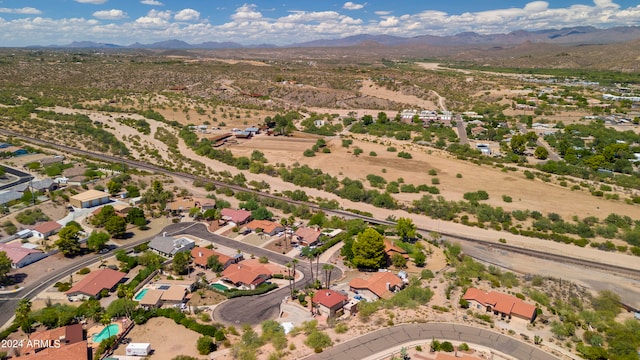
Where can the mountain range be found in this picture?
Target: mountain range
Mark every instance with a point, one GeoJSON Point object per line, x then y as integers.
{"type": "Point", "coordinates": [580, 35]}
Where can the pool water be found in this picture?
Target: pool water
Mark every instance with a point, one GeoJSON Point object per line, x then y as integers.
{"type": "Point", "coordinates": [219, 287]}
{"type": "Point", "coordinates": [105, 333]}
{"type": "Point", "coordinates": [140, 295]}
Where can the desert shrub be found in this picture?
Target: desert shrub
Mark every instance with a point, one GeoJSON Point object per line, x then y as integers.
{"type": "Point", "coordinates": [404, 155]}
{"type": "Point", "coordinates": [84, 271]}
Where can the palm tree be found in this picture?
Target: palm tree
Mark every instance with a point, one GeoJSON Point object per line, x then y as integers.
{"type": "Point", "coordinates": [105, 320]}
{"type": "Point", "coordinates": [284, 222]}
{"type": "Point", "coordinates": [294, 261]}
{"type": "Point", "coordinates": [288, 265]}
{"type": "Point", "coordinates": [327, 273]}
{"type": "Point", "coordinates": [22, 315]}
{"type": "Point", "coordinates": [306, 251]}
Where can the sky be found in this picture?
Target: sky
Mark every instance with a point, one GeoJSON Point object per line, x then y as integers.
{"type": "Point", "coordinates": [123, 22]}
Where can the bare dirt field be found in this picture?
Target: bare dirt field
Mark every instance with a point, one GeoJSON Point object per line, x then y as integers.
{"type": "Point", "coordinates": [172, 339]}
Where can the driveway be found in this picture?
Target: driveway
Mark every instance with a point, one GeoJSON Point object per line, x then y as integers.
{"type": "Point", "coordinates": [381, 341]}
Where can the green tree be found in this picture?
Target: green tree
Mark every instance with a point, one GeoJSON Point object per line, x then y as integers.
{"type": "Point", "coordinates": [97, 240]}
{"type": "Point", "coordinates": [23, 312]}
{"type": "Point", "coordinates": [518, 144]}
{"type": "Point", "coordinates": [398, 261]}
{"type": "Point", "coordinates": [68, 242]}
{"type": "Point", "coordinates": [261, 213]}
{"type": "Point", "coordinates": [541, 153]}
{"type": "Point", "coordinates": [114, 187]}
{"type": "Point", "coordinates": [136, 216]}
{"type": "Point", "coordinates": [105, 320]}
{"type": "Point", "coordinates": [205, 345]}
{"type": "Point", "coordinates": [5, 266]}
{"type": "Point", "coordinates": [101, 218]}
{"type": "Point", "coordinates": [116, 226]}
{"type": "Point", "coordinates": [318, 340]}
{"type": "Point", "coordinates": [406, 229]}
{"type": "Point", "coordinates": [368, 250]}
{"type": "Point", "coordinates": [3, 171]}
{"type": "Point", "coordinates": [419, 258]}
{"type": "Point", "coordinates": [214, 264]}
{"type": "Point", "coordinates": [121, 307]}
{"type": "Point", "coordinates": [181, 263]}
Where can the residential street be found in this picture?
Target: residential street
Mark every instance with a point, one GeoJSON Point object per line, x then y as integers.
{"type": "Point", "coordinates": [377, 343]}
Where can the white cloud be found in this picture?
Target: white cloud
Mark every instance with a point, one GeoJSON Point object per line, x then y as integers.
{"type": "Point", "coordinates": [94, 2]}
{"type": "Point", "coordinates": [187, 15]}
{"type": "Point", "coordinates": [536, 6]}
{"type": "Point", "coordinates": [113, 14]}
{"type": "Point", "coordinates": [246, 12]}
{"type": "Point", "coordinates": [390, 22]}
{"type": "Point", "coordinates": [151, 2]}
{"type": "Point", "coordinates": [383, 13]}
{"type": "Point", "coordinates": [606, 4]}
{"type": "Point", "coordinates": [22, 11]}
{"type": "Point", "coordinates": [352, 6]}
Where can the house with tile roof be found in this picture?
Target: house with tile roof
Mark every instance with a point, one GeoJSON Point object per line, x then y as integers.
{"type": "Point", "coordinates": [390, 249]}
{"type": "Point", "coordinates": [308, 236]}
{"type": "Point", "coordinates": [380, 285]}
{"type": "Point", "coordinates": [201, 255]}
{"type": "Point", "coordinates": [181, 205]}
{"type": "Point", "coordinates": [94, 283]}
{"type": "Point", "coordinates": [46, 229]}
{"type": "Point", "coordinates": [268, 227]}
{"type": "Point", "coordinates": [21, 256]}
{"type": "Point", "coordinates": [506, 306]}
{"type": "Point", "coordinates": [57, 337]}
{"type": "Point", "coordinates": [239, 216]}
{"type": "Point", "coordinates": [250, 273]}
{"type": "Point", "coordinates": [328, 302]}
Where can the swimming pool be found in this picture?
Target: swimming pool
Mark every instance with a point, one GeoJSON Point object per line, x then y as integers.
{"type": "Point", "coordinates": [105, 333]}
{"type": "Point", "coordinates": [140, 295]}
{"type": "Point", "coordinates": [219, 287]}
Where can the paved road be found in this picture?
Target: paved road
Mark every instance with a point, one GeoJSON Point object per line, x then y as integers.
{"type": "Point", "coordinates": [462, 130]}
{"type": "Point", "coordinates": [382, 340]}
{"type": "Point", "coordinates": [250, 309]}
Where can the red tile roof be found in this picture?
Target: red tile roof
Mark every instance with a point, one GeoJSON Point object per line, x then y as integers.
{"type": "Point", "coordinates": [308, 235]}
{"type": "Point", "coordinates": [267, 226]}
{"type": "Point", "coordinates": [201, 254]}
{"type": "Point", "coordinates": [237, 216]}
{"type": "Point", "coordinates": [47, 227]}
{"type": "Point", "coordinates": [75, 351]}
{"type": "Point", "coordinates": [329, 298]}
{"type": "Point", "coordinates": [377, 283]}
{"type": "Point", "coordinates": [97, 280]}
{"type": "Point", "coordinates": [390, 248]}
{"type": "Point", "coordinates": [240, 274]}
{"type": "Point", "coordinates": [500, 302]}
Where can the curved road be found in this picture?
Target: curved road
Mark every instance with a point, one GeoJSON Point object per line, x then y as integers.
{"type": "Point", "coordinates": [382, 340]}
{"type": "Point", "coordinates": [249, 309]}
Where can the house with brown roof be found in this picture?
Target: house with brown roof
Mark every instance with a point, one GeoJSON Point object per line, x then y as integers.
{"type": "Point", "coordinates": [175, 294]}
{"type": "Point", "coordinates": [268, 227]}
{"type": "Point", "coordinates": [181, 205]}
{"type": "Point", "coordinates": [506, 306]}
{"type": "Point", "coordinates": [380, 285]}
{"type": "Point", "coordinates": [250, 273]}
{"type": "Point", "coordinates": [327, 302]}
{"type": "Point", "coordinates": [308, 236]}
{"type": "Point", "coordinates": [46, 229]}
{"type": "Point", "coordinates": [151, 299]}
{"type": "Point", "coordinates": [42, 340]}
{"type": "Point", "coordinates": [239, 217]}
{"type": "Point", "coordinates": [390, 249]}
{"type": "Point", "coordinates": [89, 198]}
{"type": "Point", "coordinates": [21, 256]}
{"type": "Point", "coordinates": [94, 283]}
{"type": "Point", "coordinates": [201, 255]}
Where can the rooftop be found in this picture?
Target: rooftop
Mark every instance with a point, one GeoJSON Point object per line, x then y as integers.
{"type": "Point", "coordinates": [500, 302]}
{"type": "Point", "coordinates": [377, 283]}
{"type": "Point", "coordinates": [97, 280]}
{"type": "Point", "coordinates": [90, 195]}
{"type": "Point", "coordinates": [329, 298]}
